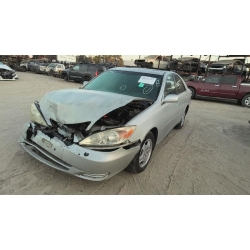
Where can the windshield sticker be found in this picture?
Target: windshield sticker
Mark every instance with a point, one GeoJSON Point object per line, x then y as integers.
{"type": "Point", "coordinates": [148, 89]}
{"type": "Point", "coordinates": [147, 80]}
{"type": "Point", "coordinates": [123, 87]}
{"type": "Point", "coordinates": [158, 84]}
{"type": "Point", "coordinates": [141, 85]}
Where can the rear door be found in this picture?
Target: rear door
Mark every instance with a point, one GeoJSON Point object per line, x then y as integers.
{"type": "Point", "coordinates": [83, 71]}
{"type": "Point", "coordinates": [210, 86]}
{"type": "Point", "coordinates": [92, 71]}
{"type": "Point", "coordinates": [228, 86]}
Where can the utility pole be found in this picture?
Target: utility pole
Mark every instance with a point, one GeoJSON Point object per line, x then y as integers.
{"type": "Point", "coordinates": [198, 65]}
{"type": "Point", "coordinates": [159, 59]}
{"type": "Point", "coordinates": [208, 65]}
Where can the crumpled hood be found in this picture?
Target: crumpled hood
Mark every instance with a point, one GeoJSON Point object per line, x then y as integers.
{"type": "Point", "coordinates": [3, 66]}
{"type": "Point", "coordinates": [71, 106]}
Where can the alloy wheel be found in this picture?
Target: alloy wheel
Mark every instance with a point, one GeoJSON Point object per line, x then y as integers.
{"type": "Point", "coordinates": [145, 153]}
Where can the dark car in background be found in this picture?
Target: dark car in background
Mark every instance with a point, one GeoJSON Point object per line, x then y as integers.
{"type": "Point", "coordinates": [30, 65]}
{"type": "Point", "coordinates": [41, 68]}
{"type": "Point", "coordinates": [83, 72]}
{"type": "Point", "coordinates": [227, 67]}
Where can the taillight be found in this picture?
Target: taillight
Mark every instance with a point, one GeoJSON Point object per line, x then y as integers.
{"type": "Point", "coordinates": [96, 73]}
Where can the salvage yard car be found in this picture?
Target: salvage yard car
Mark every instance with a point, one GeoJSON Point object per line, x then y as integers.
{"type": "Point", "coordinates": [227, 67]}
{"type": "Point", "coordinates": [110, 124]}
{"type": "Point", "coordinates": [54, 67]}
{"type": "Point", "coordinates": [83, 72]}
{"type": "Point", "coordinates": [7, 74]}
{"type": "Point", "coordinates": [233, 87]}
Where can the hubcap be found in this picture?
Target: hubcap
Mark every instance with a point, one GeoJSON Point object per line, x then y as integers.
{"type": "Point", "coordinates": [145, 153]}
{"type": "Point", "coordinates": [247, 101]}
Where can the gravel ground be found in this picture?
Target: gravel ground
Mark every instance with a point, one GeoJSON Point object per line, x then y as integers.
{"type": "Point", "coordinates": [210, 155]}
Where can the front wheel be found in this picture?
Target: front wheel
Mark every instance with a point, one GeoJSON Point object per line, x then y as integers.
{"type": "Point", "coordinates": [141, 160]}
{"type": "Point", "coordinates": [66, 78]}
{"type": "Point", "coordinates": [246, 101]}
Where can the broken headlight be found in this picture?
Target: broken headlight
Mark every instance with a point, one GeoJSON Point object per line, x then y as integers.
{"type": "Point", "coordinates": [36, 116]}
{"type": "Point", "coordinates": [110, 137]}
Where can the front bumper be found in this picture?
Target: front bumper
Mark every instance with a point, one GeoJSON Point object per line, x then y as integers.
{"type": "Point", "coordinates": [74, 159]}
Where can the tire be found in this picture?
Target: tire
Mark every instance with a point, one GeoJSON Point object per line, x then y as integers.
{"type": "Point", "coordinates": [86, 78]}
{"type": "Point", "coordinates": [151, 65]}
{"type": "Point", "coordinates": [181, 123]}
{"type": "Point", "coordinates": [138, 164]}
{"type": "Point", "coordinates": [246, 101]}
{"type": "Point", "coordinates": [193, 93]}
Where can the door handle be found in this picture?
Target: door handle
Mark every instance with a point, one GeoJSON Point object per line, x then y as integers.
{"type": "Point", "coordinates": [216, 85]}
{"type": "Point", "coordinates": [234, 86]}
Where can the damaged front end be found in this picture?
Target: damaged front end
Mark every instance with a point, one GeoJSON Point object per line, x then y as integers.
{"type": "Point", "coordinates": [75, 133]}
{"type": "Point", "coordinates": [7, 74]}
{"type": "Point", "coordinates": [93, 152]}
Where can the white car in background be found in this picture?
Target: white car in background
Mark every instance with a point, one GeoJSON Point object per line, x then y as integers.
{"type": "Point", "coordinates": [154, 62]}
{"type": "Point", "coordinates": [54, 67]}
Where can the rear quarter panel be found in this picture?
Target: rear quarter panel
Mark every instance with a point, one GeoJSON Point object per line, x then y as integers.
{"type": "Point", "coordinates": [244, 89]}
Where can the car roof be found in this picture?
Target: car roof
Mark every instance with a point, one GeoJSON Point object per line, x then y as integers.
{"type": "Point", "coordinates": [226, 61]}
{"type": "Point", "coordinates": [142, 70]}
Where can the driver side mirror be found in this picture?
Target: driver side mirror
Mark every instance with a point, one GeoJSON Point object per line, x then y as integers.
{"type": "Point", "coordinates": [170, 99]}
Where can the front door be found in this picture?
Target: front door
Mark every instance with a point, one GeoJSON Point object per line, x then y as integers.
{"type": "Point", "coordinates": [168, 112]}
{"type": "Point", "coordinates": [74, 73]}
{"type": "Point", "coordinates": [183, 96]}
{"type": "Point", "coordinates": [209, 86]}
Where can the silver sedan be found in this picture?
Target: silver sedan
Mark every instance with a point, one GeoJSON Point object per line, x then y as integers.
{"type": "Point", "coordinates": [110, 124]}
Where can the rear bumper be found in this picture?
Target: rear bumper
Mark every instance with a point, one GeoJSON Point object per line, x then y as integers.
{"type": "Point", "coordinates": [74, 159]}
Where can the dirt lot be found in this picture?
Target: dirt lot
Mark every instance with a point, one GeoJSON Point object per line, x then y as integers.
{"type": "Point", "coordinates": [210, 155]}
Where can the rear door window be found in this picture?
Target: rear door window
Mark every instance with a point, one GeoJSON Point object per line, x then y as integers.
{"type": "Point", "coordinates": [228, 80]}
{"type": "Point", "coordinates": [83, 67]}
{"type": "Point", "coordinates": [92, 68]}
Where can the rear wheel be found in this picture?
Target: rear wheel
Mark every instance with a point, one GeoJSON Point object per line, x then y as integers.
{"type": "Point", "coordinates": [181, 123]}
{"type": "Point", "coordinates": [193, 93]}
{"type": "Point", "coordinates": [86, 78]}
{"type": "Point", "coordinates": [141, 160]}
{"type": "Point", "coordinates": [246, 101]}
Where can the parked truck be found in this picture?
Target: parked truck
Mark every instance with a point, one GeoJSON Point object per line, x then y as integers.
{"type": "Point", "coordinates": [234, 87]}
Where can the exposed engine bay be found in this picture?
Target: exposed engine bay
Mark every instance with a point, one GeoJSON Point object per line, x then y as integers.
{"type": "Point", "coordinates": [73, 133]}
